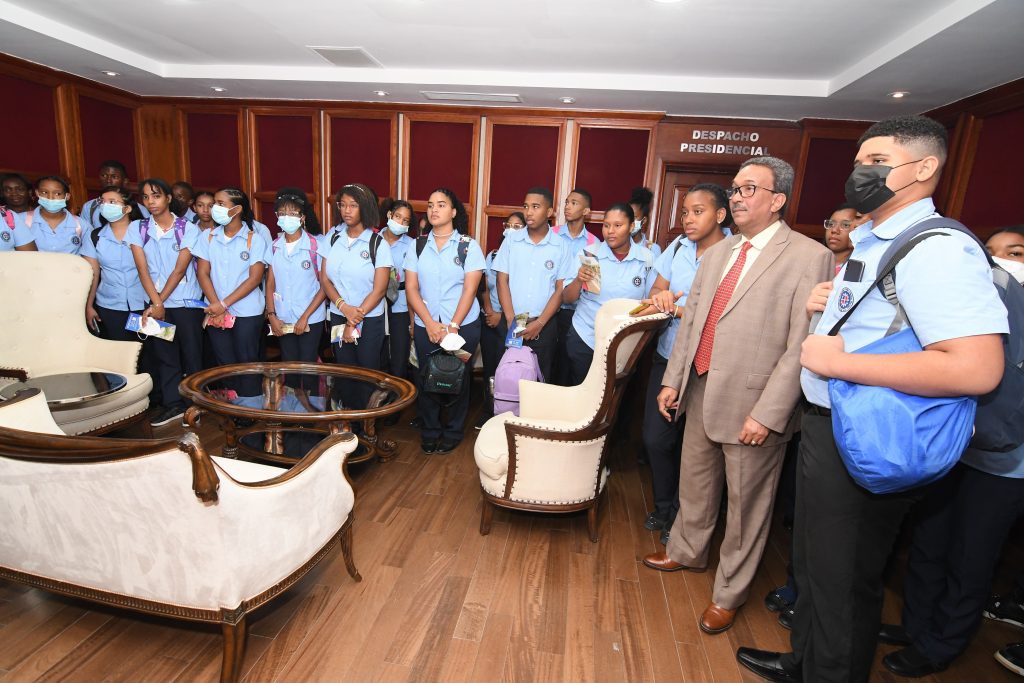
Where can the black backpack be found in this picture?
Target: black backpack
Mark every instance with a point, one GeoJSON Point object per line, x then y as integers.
{"type": "Point", "coordinates": [999, 424]}
{"type": "Point", "coordinates": [463, 248]}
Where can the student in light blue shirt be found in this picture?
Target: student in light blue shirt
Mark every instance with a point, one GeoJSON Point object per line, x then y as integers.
{"type": "Point", "coordinates": [492, 340]}
{"type": "Point", "coordinates": [116, 291]}
{"type": "Point", "coordinates": [944, 285]}
{"type": "Point", "coordinates": [443, 273]}
{"type": "Point", "coordinates": [357, 265]}
{"type": "Point", "coordinates": [232, 259]}
{"type": "Point", "coordinates": [640, 199]}
{"type": "Point", "coordinates": [163, 245]}
{"type": "Point", "coordinates": [294, 295]}
{"type": "Point", "coordinates": [704, 211]}
{"type": "Point", "coordinates": [399, 216]}
{"type": "Point", "coordinates": [111, 174]}
{"type": "Point", "coordinates": [577, 237]}
{"type": "Point", "coordinates": [16, 193]}
{"type": "Point", "coordinates": [532, 266]}
{"type": "Point", "coordinates": [53, 227]}
{"type": "Point", "coordinates": [625, 271]}
{"type": "Point", "coordinates": [14, 234]}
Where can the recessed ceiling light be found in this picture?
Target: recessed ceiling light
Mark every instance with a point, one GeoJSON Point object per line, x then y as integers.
{"type": "Point", "coordinates": [110, 73]}
{"type": "Point", "coordinates": [217, 88]}
{"type": "Point", "coordinates": [668, 2]}
{"type": "Point", "coordinates": [566, 100]}
{"type": "Point", "coordinates": [899, 94]}
{"type": "Point", "coordinates": [381, 93]}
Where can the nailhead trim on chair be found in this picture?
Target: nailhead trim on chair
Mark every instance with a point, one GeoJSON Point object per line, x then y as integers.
{"type": "Point", "coordinates": [579, 500]}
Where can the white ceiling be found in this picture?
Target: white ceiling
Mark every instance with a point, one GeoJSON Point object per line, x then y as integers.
{"type": "Point", "coordinates": [785, 59]}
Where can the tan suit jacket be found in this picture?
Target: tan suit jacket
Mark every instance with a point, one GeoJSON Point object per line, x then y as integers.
{"type": "Point", "coordinates": [755, 362]}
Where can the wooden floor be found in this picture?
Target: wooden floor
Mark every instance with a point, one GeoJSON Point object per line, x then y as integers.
{"type": "Point", "coordinates": [533, 601]}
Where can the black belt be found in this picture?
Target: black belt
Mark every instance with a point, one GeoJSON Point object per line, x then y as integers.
{"type": "Point", "coordinates": [818, 410]}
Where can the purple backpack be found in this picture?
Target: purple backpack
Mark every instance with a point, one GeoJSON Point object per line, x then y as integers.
{"type": "Point", "coordinates": [517, 363]}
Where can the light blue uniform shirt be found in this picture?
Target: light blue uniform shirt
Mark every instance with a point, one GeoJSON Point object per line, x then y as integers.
{"type": "Point", "coordinates": [398, 251]}
{"type": "Point", "coordinates": [120, 288]}
{"type": "Point", "coordinates": [944, 285]}
{"type": "Point", "coordinates": [19, 236]}
{"type": "Point", "coordinates": [263, 231]}
{"type": "Point", "coordinates": [66, 239]}
{"type": "Point", "coordinates": [492, 281]}
{"type": "Point", "coordinates": [678, 267]}
{"type": "Point", "coordinates": [229, 265]}
{"type": "Point", "coordinates": [91, 213]}
{"type": "Point", "coordinates": [295, 279]}
{"type": "Point", "coordinates": [1009, 465]}
{"type": "Point", "coordinates": [533, 269]}
{"type": "Point", "coordinates": [162, 256]}
{"type": "Point", "coordinates": [441, 277]}
{"type": "Point", "coordinates": [630, 278]}
{"type": "Point", "coordinates": [351, 270]}
{"type": "Point", "coordinates": [576, 245]}
{"type": "Point", "coordinates": [654, 247]}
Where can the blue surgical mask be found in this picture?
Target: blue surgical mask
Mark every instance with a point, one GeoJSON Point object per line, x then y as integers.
{"type": "Point", "coordinates": [53, 205]}
{"type": "Point", "coordinates": [112, 212]}
{"type": "Point", "coordinates": [220, 214]}
{"type": "Point", "coordinates": [637, 226]}
{"type": "Point", "coordinates": [397, 228]}
{"type": "Point", "coordinates": [290, 224]}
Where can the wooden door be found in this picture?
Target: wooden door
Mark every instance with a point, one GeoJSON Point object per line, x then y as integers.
{"type": "Point", "coordinates": [674, 186]}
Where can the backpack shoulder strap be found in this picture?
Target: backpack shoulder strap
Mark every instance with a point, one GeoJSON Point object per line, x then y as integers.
{"type": "Point", "coordinates": [313, 256]}
{"type": "Point", "coordinates": [375, 239]}
{"type": "Point", "coordinates": [463, 250]}
{"type": "Point", "coordinates": [94, 235]}
{"type": "Point", "coordinates": [248, 239]}
{"type": "Point", "coordinates": [334, 236]}
{"type": "Point", "coordinates": [179, 229]}
{"type": "Point", "coordinates": [8, 217]}
{"type": "Point", "coordinates": [421, 244]}
{"type": "Point", "coordinates": [144, 231]}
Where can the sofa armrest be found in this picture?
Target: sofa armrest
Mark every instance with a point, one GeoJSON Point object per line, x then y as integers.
{"type": "Point", "coordinates": [116, 356]}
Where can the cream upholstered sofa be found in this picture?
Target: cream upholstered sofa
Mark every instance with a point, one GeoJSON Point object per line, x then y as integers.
{"type": "Point", "coordinates": [159, 526]}
{"type": "Point", "coordinates": [552, 457]}
{"type": "Point", "coordinates": [43, 332]}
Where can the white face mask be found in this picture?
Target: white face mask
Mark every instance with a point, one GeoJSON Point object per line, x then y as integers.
{"type": "Point", "coordinates": [397, 228]}
{"type": "Point", "coordinates": [637, 227]}
{"type": "Point", "coordinates": [1014, 268]}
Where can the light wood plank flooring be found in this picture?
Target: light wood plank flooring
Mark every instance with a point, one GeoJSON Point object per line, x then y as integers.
{"type": "Point", "coordinates": [533, 601]}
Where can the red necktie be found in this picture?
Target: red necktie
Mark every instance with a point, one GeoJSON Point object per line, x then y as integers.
{"type": "Point", "coordinates": [702, 361]}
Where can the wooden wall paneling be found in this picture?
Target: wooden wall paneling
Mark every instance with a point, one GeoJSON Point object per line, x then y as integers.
{"type": "Point", "coordinates": [837, 170]}
{"type": "Point", "coordinates": [159, 139]}
{"type": "Point", "coordinates": [100, 140]}
{"type": "Point", "coordinates": [211, 145]}
{"type": "Point", "coordinates": [409, 121]}
{"type": "Point", "coordinates": [69, 140]}
{"type": "Point", "coordinates": [532, 177]}
{"type": "Point", "coordinates": [346, 164]}
{"type": "Point", "coordinates": [268, 177]}
{"type": "Point", "coordinates": [962, 147]}
{"type": "Point", "coordinates": [986, 203]}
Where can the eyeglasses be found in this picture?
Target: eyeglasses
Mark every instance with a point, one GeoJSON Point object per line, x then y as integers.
{"type": "Point", "coordinates": [844, 226]}
{"type": "Point", "coordinates": [514, 226]}
{"type": "Point", "coordinates": [746, 191]}
{"type": "Point", "coordinates": [289, 213]}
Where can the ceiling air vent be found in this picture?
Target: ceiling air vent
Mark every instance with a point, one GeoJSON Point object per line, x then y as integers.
{"type": "Point", "coordinates": [471, 96]}
{"type": "Point", "coordinates": [349, 57]}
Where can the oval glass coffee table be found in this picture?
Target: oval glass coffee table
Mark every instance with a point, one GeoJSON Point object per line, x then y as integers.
{"type": "Point", "coordinates": [273, 399]}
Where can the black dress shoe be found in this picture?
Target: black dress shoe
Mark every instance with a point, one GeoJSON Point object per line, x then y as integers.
{"type": "Point", "coordinates": [910, 663]}
{"type": "Point", "coordinates": [429, 446]}
{"type": "Point", "coordinates": [655, 522]}
{"type": "Point", "coordinates": [664, 537]}
{"type": "Point", "coordinates": [774, 600]}
{"type": "Point", "coordinates": [786, 618]}
{"type": "Point", "coordinates": [447, 445]}
{"type": "Point", "coordinates": [767, 665]}
{"type": "Point", "coordinates": [893, 634]}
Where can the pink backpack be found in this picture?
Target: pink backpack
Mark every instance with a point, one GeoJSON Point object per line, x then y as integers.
{"type": "Point", "coordinates": [517, 363]}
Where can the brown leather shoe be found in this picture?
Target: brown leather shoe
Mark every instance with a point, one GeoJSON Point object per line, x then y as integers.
{"type": "Point", "coordinates": [663, 563]}
{"type": "Point", "coordinates": [716, 619]}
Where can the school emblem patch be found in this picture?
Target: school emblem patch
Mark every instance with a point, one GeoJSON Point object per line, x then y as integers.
{"type": "Point", "coordinates": [549, 264]}
{"type": "Point", "coordinates": [5, 236]}
{"type": "Point", "coordinates": [176, 247]}
{"type": "Point", "coordinates": [244, 256]}
{"type": "Point", "coordinates": [306, 265]}
{"type": "Point", "coordinates": [76, 240]}
{"type": "Point", "coordinates": [637, 281]}
{"type": "Point", "coordinates": [845, 299]}
{"type": "Point", "coordinates": [365, 255]}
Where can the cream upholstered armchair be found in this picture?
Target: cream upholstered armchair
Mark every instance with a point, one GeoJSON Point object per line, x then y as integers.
{"type": "Point", "coordinates": [552, 457]}
{"type": "Point", "coordinates": [160, 527]}
{"type": "Point", "coordinates": [43, 332]}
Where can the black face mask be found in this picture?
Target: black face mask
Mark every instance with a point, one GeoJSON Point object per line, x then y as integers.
{"type": "Point", "coordinates": [866, 189]}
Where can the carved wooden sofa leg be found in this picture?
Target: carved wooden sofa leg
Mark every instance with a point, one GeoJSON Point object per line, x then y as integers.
{"type": "Point", "coordinates": [592, 520]}
{"type": "Point", "coordinates": [345, 537]}
{"type": "Point", "coordinates": [234, 645]}
{"type": "Point", "coordinates": [486, 513]}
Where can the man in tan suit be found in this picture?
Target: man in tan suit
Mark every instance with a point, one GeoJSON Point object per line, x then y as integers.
{"type": "Point", "coordinates": [735, 372]}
